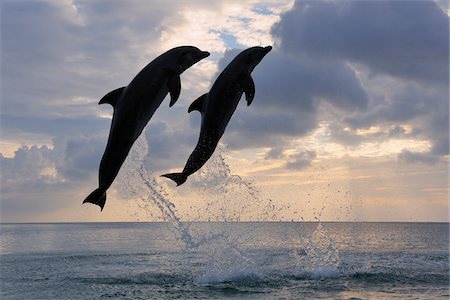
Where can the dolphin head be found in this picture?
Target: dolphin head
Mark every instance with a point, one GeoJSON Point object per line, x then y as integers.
{"type": "Point", "coordinates": [251, 57]}
{"type": "Point", "coordinates": [186, 56]}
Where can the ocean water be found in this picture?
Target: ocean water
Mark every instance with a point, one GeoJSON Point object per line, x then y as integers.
{"type": "Point", "coordinates": [255, 260]}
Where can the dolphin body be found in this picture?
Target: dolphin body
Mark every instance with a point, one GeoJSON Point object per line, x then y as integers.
{"type": "Point", "coordinates": [135, 104]}
{"type": "Point", "coordinates": [218, 106]}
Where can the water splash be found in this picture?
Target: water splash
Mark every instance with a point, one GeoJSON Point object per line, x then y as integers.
{"type": "Point", "coordinates": [223, 197]}
{"type": "Point", "coordinates": [226, 261]}
{"type": "Point", "coordinates": [136, 180]}
{"type": "Point", "coordinates": [228, 197]}
{"type": "Point", "coordinates": [316, 255]}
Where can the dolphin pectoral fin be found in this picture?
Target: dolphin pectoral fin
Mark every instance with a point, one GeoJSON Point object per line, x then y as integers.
{"type": "Point", "coordinates": [174, 85]}
{"type": "Point", "coordinates": [198, 104]}
{"type": "Point", "coordinates": [179, 178]}
{"type": "Point", "coordinates": [97, 197]}
{"type": "Point", "coordinates": [112, 97]}
{"type": "Point", "coordinates": [249, 89]}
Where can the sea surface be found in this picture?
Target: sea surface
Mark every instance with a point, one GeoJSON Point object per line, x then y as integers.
{"type": "Point", "coordinates": [209, 260]}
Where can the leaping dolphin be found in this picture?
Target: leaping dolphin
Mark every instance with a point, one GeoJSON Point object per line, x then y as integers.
{"type": "Point", "coordinates": [218, 106]}
{"type": "Point", "coordinates": [135, 104]}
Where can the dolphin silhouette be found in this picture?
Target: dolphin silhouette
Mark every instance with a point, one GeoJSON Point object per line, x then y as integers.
{"type": "Point", "coordinates": [218, 106]}
{"type": "Point", "coordinates": [135, 104]}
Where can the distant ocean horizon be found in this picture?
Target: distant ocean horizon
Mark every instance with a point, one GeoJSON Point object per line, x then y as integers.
{"type": "Point", "coordinates": [294, 221]}
{"type": "Point", "coordinates": [221, 260]}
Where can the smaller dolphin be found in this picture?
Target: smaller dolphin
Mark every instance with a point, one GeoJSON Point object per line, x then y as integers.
{"type": "Point", "coordinates": [135, 104]}
{"type": "Point", "coordinates": [218, 106]}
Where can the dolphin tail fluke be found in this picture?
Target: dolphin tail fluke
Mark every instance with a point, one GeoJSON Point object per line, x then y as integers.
{"type": "Point", "coordinates": [97, 197]}
{"type": "Point", "coordinates": [179, 178]}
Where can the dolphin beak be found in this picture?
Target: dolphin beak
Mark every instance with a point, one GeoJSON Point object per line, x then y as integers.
{"type": "Point", "coordinates": [267, 49]}
{"type": "Point", "coordinates": [203, 54]}
{"type": "Point", "coordinates": [264, 51]}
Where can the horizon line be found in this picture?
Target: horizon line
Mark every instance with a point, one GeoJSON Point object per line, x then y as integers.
{"type": "Point", "coordinates": [168, 222]}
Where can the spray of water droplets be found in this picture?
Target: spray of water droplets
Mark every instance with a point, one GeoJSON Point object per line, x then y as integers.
{"type": "Point", "coordinates": [221, 196]}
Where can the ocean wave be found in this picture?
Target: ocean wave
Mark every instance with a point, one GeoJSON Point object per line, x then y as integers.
{"type": "Point", "coordinates": [401, 278]}
{"type": "Point", "coordinates": [139, 279]}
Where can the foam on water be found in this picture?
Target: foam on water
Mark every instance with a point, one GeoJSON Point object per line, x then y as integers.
{"type": "Point", "coordinates": [226, 197]}
{"type": "Point", "coordinates": [226, 262]}
{"type": "Point", "coordinates": [320, 255]}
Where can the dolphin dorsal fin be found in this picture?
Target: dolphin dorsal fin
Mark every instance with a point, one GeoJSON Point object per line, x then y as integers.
{"type": "Point", "coordinates": [198, 104]}
{"type": "Point", "coordinates": [249, 89]}
{"type": "Point", "coordinates": [112, 97]}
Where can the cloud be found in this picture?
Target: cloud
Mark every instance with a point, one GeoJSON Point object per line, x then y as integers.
{"type": "Point", "coordinates": [274, 153]}
{"type": "Point", "coordinates": [334, 66]}
{"type": "Point", "coordinates": [398, 51]}
{"type": "Point", "coordinates": [51, 58]}
{"type": "Point", "coordinates": [81, 158]}
{"type": "Point", "coordinates": [399, 104]}
{"type": "Point", "coordinates": [63, 126]}
{"type": "Point", "coordinates": [407, 39]}
{"type": "Point", "coordinates": [417, 157]}
{"type": "Point", "coordinates": [28, 163]}
{"type": "Point", "coordinates": [169, 147]}
{"type": "Point", "coordinates": [26, 178]}
{"type": "Point", "coordinates": [289, 91]}
{"type": "Point", "coordinates": [301, 160]}
{"type": "Point", "coordinates": [218, 25]}
{"type": "Point", "coordinates": [59, 58]}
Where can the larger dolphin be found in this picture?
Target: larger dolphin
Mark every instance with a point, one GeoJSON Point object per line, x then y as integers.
{"type": "Point", "coordinates": [218, 106]}
{"type": "Point", "coordinates": [135, 104]}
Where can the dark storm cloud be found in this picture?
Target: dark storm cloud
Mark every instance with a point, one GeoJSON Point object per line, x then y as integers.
{"type": "Point", "coordinates": [408, 39]}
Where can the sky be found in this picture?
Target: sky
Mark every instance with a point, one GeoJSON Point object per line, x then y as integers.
{"type": "Point", "coordinates": [350, 120]}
